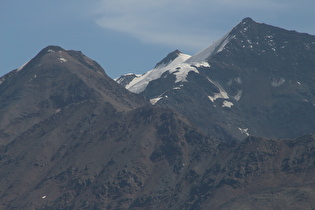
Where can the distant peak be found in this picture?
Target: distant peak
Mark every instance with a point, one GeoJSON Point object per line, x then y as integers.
{"type": "Point", "coordinates": [49, 49]}
{"type": "Point", "coordinates": [247, 20]}
{"type": "Point", "coordinates": [53, 48]}
{"type": "Point", "coordinates": [176, 52]}
{"type": "Point", "coordinates": [247, 24]}
{"type": "Point", "coordinates": [170, 57]}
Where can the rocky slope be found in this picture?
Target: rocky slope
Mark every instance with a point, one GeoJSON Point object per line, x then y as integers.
{"type": "Point", "coordinates": [256, 80]}
{"type": "Point", "coordinates": [48, 83]}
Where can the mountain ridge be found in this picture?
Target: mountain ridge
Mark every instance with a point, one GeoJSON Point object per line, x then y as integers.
{"type": "Point", "coordinates": [251, 71]}
{"type": "Point", "coordinates": [73, 138]}
{"type": "Point", "coordinates": [61, 78]}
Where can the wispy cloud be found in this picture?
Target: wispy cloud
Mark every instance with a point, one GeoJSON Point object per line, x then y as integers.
{"type": "Point", "coordinates": [160, 32]}
{"type": "Point", "coordinates": [168, 22]}
{"type": "Point", "coordinates": [191, 24]}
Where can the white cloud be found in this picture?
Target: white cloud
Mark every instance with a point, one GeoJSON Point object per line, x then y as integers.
{"type": "Point", "coordinates": [161, 32]}
{"type": "Point", "coordinates": [190, 24]}
{"type": "Point", "coordinates": [166, 22]}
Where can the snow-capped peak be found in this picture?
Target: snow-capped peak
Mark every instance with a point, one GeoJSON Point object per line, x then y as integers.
{"type": "Point", "coordinates": [168, 59]}
{"type": "Point", "coordinates": [176, 66]}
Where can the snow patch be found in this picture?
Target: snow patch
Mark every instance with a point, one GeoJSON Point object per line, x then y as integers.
{"type": "Point", "coordinates": [238, 80]}
{"type": "Point", "coordinates": [44, 196]}
{"type": "Point", "coordinates": [225, 42]}
{"type": "Point", "coordinates": [155, 100]}
{"type": "Point", "coordinates": [201, 64]}
{"type": "Point", "coordinates": [216, 47]}
{"type": "Point", "coordinates": [238, 95]}
{"type": "Point", "coordinates": [50, 51]}
{"type": "Point", "coordinates": [182, 71]}
{"type": "Point", "coordinates": [227, 104]}
{"type": "Point", "coordinates": [213, 98]}
{"type": "Point", "coordinates": [222, 93]}
{"type": "Point", "coordinates": [22, 67]}
{"type": "Point", "coordinates": [177, 67]}
{"type": "Point", "coordinates": [269, 37]}
{"type": "Point", "coordinates": [119, 79]}
{"type": "Point", "coordinates": [244, 130]}
{"type": "Point", "coordinates": [218, 95]}
{"type": "Point", "coordinates": [277, 82]}
{"type": "Point", "coordinates": [62, 60]}
{"type": "Point", "coordinates": [178, 87]}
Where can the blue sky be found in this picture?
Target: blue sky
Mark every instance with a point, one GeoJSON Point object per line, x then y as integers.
{"type": "Point", "coordinates": [133, 35]}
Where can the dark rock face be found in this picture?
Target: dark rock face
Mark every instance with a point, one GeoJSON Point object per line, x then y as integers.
{"type": "Point", "coordinates": [84, 160]}
{"type": "Point", "coordinates": [263, 159]}
{"type": "Point", "coordinates": [260, 82]}
{"type": "Point", "coordinates": [170, 57]}
{"type": "Point", "coordinates": [272, 69]}
{"type": "Point", "coordinates": [51, 81]}
{"type": "Point", "coordinates": [149, 158]}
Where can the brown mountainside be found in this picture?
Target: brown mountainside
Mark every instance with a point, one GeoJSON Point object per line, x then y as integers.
{"type": "Point", "coordinates": [51, 81]}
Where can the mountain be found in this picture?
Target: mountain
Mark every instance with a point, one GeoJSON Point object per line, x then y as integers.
{"type": "Point", "coordinates": [174, 63]}
{"type": "Point", "coordinates": [76, 139]}
{"type": "Point", "coordinates": [51, 81]}
{"type": "Point", "coordinates": [256, 80]}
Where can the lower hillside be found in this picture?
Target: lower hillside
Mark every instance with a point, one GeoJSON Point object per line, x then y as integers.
{"type": "Point", "coordinates": [149, 158]}
{"type": "Point", "coordinates": [106, 159]}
